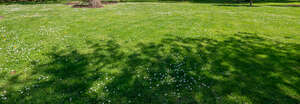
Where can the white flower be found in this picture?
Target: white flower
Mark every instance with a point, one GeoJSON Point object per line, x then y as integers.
{"type": "Point", "coordinates": [4, 98]}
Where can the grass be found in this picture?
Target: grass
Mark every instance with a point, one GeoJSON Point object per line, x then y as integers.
{"type": "Point", "coordinates": [150, 52]}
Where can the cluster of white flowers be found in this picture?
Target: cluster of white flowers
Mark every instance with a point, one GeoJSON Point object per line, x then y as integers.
{"type": "Point", "coordinates": [3, 95]}
{"type": "Point", "coordinates": [42, 77]}
{"type": "Point", "coordinates": [3, 69]}
{"type": "Point", "coordinates": [15, 50]}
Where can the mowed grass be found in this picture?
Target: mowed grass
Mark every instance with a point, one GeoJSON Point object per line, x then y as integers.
{"type": "Point", "coordinates": [150, 52]}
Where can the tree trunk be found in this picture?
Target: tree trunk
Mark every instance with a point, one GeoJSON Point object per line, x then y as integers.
{"type": "Point", "coordinates": [251, 3]}
{"type": "Point", "coordinates": [95, 3]}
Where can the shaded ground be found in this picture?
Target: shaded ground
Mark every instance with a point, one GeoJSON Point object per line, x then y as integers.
{"type": "Point", "coordinates": [85, 6]}
{"type": "Point", "coordinates": [243, 68]}
{"type": "Point", "coordinates": [78, 5]}
{"type": "Point", "coordinates": [234, 5]}
{"type": "Point", "coordinates": [286, 5]}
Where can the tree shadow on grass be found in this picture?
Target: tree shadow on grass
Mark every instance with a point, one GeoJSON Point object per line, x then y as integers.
{"type": "Point", "coordinates": [235, 5]}
{"type": "Point", "coordinates": [243, 68]}
{"type": "Point", "coordinates": [181, 70]}
{"type": "Point", "coordinates": [67, 78]}
{"type": "Point", "coordinates": [286, 5]}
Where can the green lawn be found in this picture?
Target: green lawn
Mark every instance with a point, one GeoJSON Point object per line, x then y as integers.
{"type": "Point", "coordinates": [150, 52]}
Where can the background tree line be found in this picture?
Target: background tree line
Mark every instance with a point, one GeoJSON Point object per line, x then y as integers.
{"type": "Point", "coordinates": [233, 1]}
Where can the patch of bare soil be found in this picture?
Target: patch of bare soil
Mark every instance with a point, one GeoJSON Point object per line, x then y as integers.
{"type": "Point", "coordinates": [78, 5]}
{"type": "Point", "coordinates": [13, 72]}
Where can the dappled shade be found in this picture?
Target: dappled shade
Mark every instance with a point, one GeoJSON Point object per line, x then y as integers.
{"type": "Point", "coordinates": [184, 70]}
